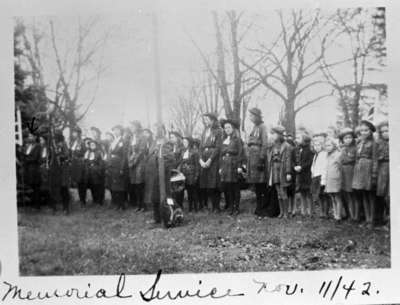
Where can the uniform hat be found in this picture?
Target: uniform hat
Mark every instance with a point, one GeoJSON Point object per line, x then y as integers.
{"type": "Point", "coordinates": [176, 133]}
{"type": "Point", "coordinates": [256, 112]}
{"type": "Point", "coordinates": [320, 134]}
{"type": "Point", "coordinates": [120, 127]}
{"type": "Point", "coordinates": [137, 124]}
{"type": "Point", "coordinates": [382, 124]}
{"type": "Point", "coordinates": [234, 123]}
{"type": "Point", "coordinates": [110, 134]}
{"type": "Point", "coordinates": [278, 129]}
{"type": "Point", "coordinates": [148, 130]}
{"type": "Point", "coordinates": [211, 115]}
{"type": "Point", "coordinates": [77, 129]}
{"type": "Point", "coordinates": [368, 124]}
{"type": "Point", "coordinates": [95, 129]}
{"type": "Point", "coordinates": [346, 131]}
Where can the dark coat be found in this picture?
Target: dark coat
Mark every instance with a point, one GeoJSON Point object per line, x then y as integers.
{"type": "Point", "coordinates": [32, 164]}
{"type": "Point", "coordinates": [152, 189]}
{"type": "Point", "coordinates": [383, 181]}
{"type": "Point", "coordinates": [116, 166]}
{"type": "Point", "coordinates": [365, 168]}
{"type": "Point", "coordinates": [230, 159]}
{"type": "Point", "coordinates": [347, 160]}
{"type": "Point", "coordinates": [209, 149]}
{"type": "Point", "coordinates": [62, 157]}
{"type": "Point", "coordinates": [77, 164]}
{"type": "Point", "coordinates": [177, 150]}
{"type": "Point", "coordinates": [257, 154]}
{"type": "Point", "coordinates": [93, 173]}
{"type": "Point", "coordinates": [45, 168]}
{"type": "Point", "coordinates": [304, 158]}
{"type": "Point", "coordinates": [280, 164]}
{"type": "Point", "coordinates": [190, 167]}
{"type": "Point", "coordinates": [137, 151]}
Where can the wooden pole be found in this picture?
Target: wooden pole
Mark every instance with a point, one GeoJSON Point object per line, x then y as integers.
{"type": "Point", "coordinates": [157, 74]}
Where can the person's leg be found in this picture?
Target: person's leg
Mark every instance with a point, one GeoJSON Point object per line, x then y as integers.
{"type": "Point", "coordinates": [375, 207]}
{"type": "Point", "coordinates": [156, 212]}
{"type": "Point", "coordinates": [236, 197]}
{"type": "Point", "coordinates": [340, 209]}
{"type": "Point", "coordinates": [140, 195]}
{"type": "Point", "coordinates": [65, 199]}
{"type": "Point", "coordinates": [82, 193]}
{"type": "Point", "coordinates": [278, 192]}
{"type": "Point", "coordinates": [259, 197]}
{"type": "Point", "coordinates": [195, 190]}
{"type": "Point", "coordinates": [215, 198]}
{"type": "Point", "coordinates": [189, 191]}
{"type": "Point", "coordinates": [202, 198]}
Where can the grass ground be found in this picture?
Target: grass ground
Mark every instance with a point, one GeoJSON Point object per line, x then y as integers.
{"type": "Point", "coordinates": [100, 241]}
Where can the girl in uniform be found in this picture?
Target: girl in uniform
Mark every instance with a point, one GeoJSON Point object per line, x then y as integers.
{"type": "Point", "coordinates": [382, 191]}
{"type": "Point", "coordinates": [230, 165]}
{"type": "Point", "coordinates": [365, 170]}
{"type": "Point", "coordinates": [348, 159]}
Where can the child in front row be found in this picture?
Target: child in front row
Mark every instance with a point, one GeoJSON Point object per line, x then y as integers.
{"type": "Point", "coordinates": [318, 172]}
{"type": "Point", "coordinates": [333, 178]}
{"type": "Point", "coordinates": [348, 159]}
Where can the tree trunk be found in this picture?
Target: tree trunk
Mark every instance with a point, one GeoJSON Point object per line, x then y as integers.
{"type": "Point", "coordinates": [290, 117]}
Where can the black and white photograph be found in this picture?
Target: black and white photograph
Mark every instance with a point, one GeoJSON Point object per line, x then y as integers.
{"type": "Point", "coordinates": [206, 141]}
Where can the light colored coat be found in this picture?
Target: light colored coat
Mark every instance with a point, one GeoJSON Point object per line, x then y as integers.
{"type": "Point", "coordinates": [333, 172]}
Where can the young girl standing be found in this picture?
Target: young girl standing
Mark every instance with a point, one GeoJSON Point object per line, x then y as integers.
{"type": "Point", "coordinates": [348, 159]}
{"type": "Point", "coordinates": [333, 178]}
{"type": "Point", "coordinates": [280, 176]}
{"type": "Point", "coordinates": [365, 171]}
{"type": "Point", "coordinates": [302, 167]}
{"type": "Point", "coordinates": [318, 173]}
{"type": "Point", "coordinates": [383, 189]}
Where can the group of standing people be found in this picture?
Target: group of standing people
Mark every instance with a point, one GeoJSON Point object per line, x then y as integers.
{"type": "Point", "coordinates": [348, 172]}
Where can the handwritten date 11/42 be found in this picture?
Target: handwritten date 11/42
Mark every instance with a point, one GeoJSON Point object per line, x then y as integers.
{"type": "Point", "coordinates": [330, 289]}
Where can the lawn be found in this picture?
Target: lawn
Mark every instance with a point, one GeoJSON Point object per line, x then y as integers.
{"type": "Point", "coordinates": [101, 241]}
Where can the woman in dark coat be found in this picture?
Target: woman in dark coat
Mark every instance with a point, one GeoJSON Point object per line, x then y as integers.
{"type": "Point", "coordinates": [209, 159]}
{"type": "Point", "coordinates": [257, 158]}
{"type": "Point", "coordinates": [32, 168]}
{"type": "Point", "coordinates": [365, 170]}
{"type": "Point", "coordinates": [137, 151]}
{"type": "Point", "coordinates": [383, 179]}
{"type": "Point", "coordinates": [77, 150]}
{"type": "Point", "coordinates": [93, 171]}
{"type": "Point", "coordinates": [280, 168]}
{"type": "Point", "coordinates": [62, 161]}
{"type": "Point", "coordinates": [115, 168]}
{"type": "Point", "coordinates": [230, 165]}
{"type": "Point", "coordinates": [302, 168]}
{"type": "Point", "coordinates": [190, 168]}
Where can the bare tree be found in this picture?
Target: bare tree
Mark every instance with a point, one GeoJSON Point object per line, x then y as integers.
{"type": "Point", "coordinates": [355, 25]}
{"type": "Point", "coordinates": [77, 66]}
{"type": "Point", "coordinates": [231, 79]}
{"type": "Point", "coordinates": [289, 67]}
{"type": "Point", "coordinates": [186, 112]}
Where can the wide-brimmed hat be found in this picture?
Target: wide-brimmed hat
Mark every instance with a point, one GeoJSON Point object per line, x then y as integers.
{"type": "Point", "coordinates": [382, 124]}
{"type": "Point", "coordinates": [278, 129]}
{"type": "Point", "coordinates": [176, 133]}
{"type": "Point", "coordinates": [255, 111]}
{"type": "Point", "coordinates": [211, 115]}
{"type": "Point", "coordinates": [76, 129]}
{"type": "Point", "coordinates": [95, 129]}
{"type": "Point", "coordinates": [346, 131]}
{"type": "Point", "coordinates": [148, 130]}
{"type": "Point", "coordinates": [320, 134]}
{"type": "Point", "coordinates": [369, 125]}
{"type": "Point", "coordinates": [119, 127]}
{"type": "Point", "coordinates": [137, 124]}
{"type": "Point", "coordinates": [232, 122]}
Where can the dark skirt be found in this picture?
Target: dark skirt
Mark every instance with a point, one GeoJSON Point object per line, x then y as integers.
{"type": "Point", "coordinates": [347, 178]}
{"type": "Point", "coordinates": [362, 179]}
{"type": "Point", "coordinates": [383, 180]}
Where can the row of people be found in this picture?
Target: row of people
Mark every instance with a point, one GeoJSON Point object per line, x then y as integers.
{"type": "Point", "coordinates": [351, 175]}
